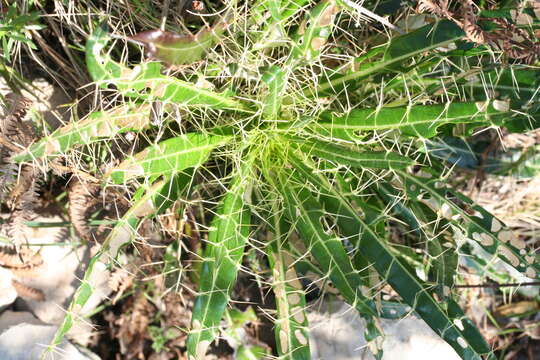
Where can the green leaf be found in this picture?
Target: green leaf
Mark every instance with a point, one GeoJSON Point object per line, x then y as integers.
{"type": "Point", "coordinates": [417, 120]}
{"type": "Point", "coordinates": [80, 298]}
{"type": "Point", "coordinates": [101, 124]}
{"type": "Point", "coordinates": [489, 232]}
{"type": "Point", "coordinates": [222, 259]}
{"type": "Point", "coordinates": [351, 156]}
{"type": "Point", "coordinates": [432, 231]}
{"type": "Point", "coordinates": [452, 326]}
{"type": "Point", "coordinates": [145, 81]}
{"type": "Point", "coordinates": [149, 201]}
{"type": "Point", "coordinates": [307, 216]}
{"type": "Point", "coordinates": [152, 201]}
{"type": "Point", "coordinates": [291, 337]}
{"type": "Point", "coordinates": [311, 38]}
{"type": "Point", "coordinates": [400, 49]}
{"type": "Point", "coordinates": [167, 157]}
{"type": "Point", "coordinates": [275, 79]}
{"type": "Point", "coordinates": [517, 83]}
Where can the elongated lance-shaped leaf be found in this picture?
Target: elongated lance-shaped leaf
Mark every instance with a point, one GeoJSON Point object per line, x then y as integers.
{"type": "Point", "coordinates": [145, 81]}
{"type": "Point", "coordinates": [101, 124]}
{"type": "Point", "coordinates": [314, 31]}
{"type": "Point", "coordinates": [417, 120]}
{"type": "Point", "coordinates": [307, 44]}
{"type": "Point", "coordinates": [153, 200]}
{"type": "Point", "coordinates": [306, 215]}
{"type": "Point", "coordinates": [431, 229]}
{"type": "Point", "coordinates": [154, 196]}
{"type": "Point", "coordinates": [452, 326]}
{"type": "Point", "coordinates": [276, 80]}
{"type": "Point", "coordinates": [400, 49]}
{"type": "Point", "coordinates": [330, 254]}
{"type": "Point", "coordinates": [80, 298]}
{"type": "Point", "coordinates": [167, 157]}
{"type": "Point", "coordinates": [148, 201]}
{"type": "Point", "coordinates": [291, 322]}
{"type": "Point", "coordinates": [348, 155]}
{"type": "Point", "coordinates": [222, 259]}
{"type": "Point", "coordinates": [490, 233]}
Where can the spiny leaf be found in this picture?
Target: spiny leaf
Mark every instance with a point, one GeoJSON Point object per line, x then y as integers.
{"type": "Point", "coordinates": [275, 79]}
{"type": "Point", "coordinates": [400, 49]}
{"type": "Point", "coordinates": [431, 230]}
{"type": "Point", "coordinates": [311, 38]}
{"type": "Point", "coordinates": [350, 156]}
{"type": "Point", "coordinates": [97, 125]}
{"type": "Point", "coordinates": [306, 214]}
{"type": "Point", "coordinates": [480, 225]}
{"type": "Point", "coordinates": [451, 324]}
{"type": "Point", "coordinates": [80, 298]}
{"type": "Point", "coordinates": [291, 321]}
{"type": "Point", "coordinates": [222, 259]}
{"type": "Point", "coordinates": [336, 252]}
{"type": "Point", "coordinates": [417, 120]}
{"type": "Point", "coordinates": [167, 157]}
{"type": "Point", "coordinates": [146, 82]}
{"type": "Point", "coordinates": [148, 201]}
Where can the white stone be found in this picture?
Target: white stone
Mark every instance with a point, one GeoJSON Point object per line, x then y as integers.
{"type": "Point", "coordinates": [337, 333]}
{"type": "Point", "coordinates": [27, 342]}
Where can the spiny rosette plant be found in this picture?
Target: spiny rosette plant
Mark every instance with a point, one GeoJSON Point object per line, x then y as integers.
{"type": "Point", "coordinates": [310, 149]}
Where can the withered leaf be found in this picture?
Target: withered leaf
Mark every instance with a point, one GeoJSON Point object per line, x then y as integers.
{"type": "Point", "coordinates": [176, 49]}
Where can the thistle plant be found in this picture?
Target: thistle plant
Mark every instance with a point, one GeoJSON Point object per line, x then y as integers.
{"type": "Point", "coordinates": [311, 140]}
